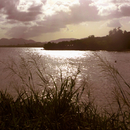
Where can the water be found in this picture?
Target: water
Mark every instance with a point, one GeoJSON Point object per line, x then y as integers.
{"type": "Point", "coordinates": [52, 62]}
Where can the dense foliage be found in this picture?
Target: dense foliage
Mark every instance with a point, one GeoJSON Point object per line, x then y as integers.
{"type": "Point", "coordinates": [117, 40]}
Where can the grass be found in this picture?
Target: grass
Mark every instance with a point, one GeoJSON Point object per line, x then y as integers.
{"type": "Point", "coordinates": [58, 106]}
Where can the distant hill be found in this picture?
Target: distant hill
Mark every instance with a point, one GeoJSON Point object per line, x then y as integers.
{"type": "Point", "coordinates": [14, 42]}
{"type": "Point", "coordinates": [63, 39]}
{"type": "Point", "coordinates": [20, 42]}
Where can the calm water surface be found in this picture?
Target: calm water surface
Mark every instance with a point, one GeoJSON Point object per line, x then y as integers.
{"type": "Point", "coordinates": [68, 61]}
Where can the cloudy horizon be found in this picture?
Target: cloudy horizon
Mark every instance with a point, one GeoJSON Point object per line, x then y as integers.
{"type": "Point", "coordinates": [44, 20]}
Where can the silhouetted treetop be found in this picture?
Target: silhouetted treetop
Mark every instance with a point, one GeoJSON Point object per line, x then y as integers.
{"type": "Point", "coordinates": [117, 40]}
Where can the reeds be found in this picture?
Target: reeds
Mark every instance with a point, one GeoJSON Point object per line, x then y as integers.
{"type": "Point", "coordinates": [55, 108]}
{"type": "Point", "coordinates": [121, 93]}
{"type": "Point", "coordinates": [55, 104]}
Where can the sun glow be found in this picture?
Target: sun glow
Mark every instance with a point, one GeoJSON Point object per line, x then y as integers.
{"type": "Point", "coordinates": [64, 54]}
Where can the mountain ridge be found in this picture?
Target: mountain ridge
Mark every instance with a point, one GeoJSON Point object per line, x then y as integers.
{"type": "Point", "coordinates": [20, 42]}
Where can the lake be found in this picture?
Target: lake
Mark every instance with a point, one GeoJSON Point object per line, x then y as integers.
{"type": "Point", "coordinates": [54, 62]}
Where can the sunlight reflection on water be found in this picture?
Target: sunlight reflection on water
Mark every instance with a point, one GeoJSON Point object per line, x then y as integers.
{"type": "Point", "coordinates": [68, 62]}
{"type": "Point", "coordinates": [63, 54]}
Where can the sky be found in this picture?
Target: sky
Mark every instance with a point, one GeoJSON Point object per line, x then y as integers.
{"type": "Point", "coordinates": [45, 20]}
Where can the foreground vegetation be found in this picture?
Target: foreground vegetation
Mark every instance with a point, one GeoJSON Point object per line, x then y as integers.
{"type": "Point", "coordinates": [59, 106]}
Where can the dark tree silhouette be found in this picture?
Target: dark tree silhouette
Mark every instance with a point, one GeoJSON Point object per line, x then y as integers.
{"type": "Point", "coordinates": [117, 40]}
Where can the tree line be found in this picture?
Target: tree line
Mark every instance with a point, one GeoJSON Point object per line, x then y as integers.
{"type": "Point", "coordinates": [116, 40]}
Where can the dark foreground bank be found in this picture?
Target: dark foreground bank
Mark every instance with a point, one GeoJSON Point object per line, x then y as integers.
{"type": "Point", "coordinates": [59, 106]}
{"type": "Point", "coordinates": [57, 109]}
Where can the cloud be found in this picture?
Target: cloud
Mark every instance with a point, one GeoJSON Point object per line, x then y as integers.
{"type": "Point", "coordinates": [43, 1]}
{"type": "Point", "coordinates": [24, 16]}
{"type": "Point", "coordinates": [3, 28]}
{"type": "Point", "coordinates": [125, 9]}
{"type": "Point", "coordinates": [114, 23]}
{"type": "Point", "coordinates": [46, 18]}
{"type": "Point", "coordinates": [28, 32]}
{"type": "Point", "coordinates": [17, 32]}
{"type": "Point", "coordinates": [78, 12]}
{"type": "Point", "coordinates": [9, 8]}
{"type": "Point", "coordinates": [107, 10]}
{"type": "Point", "coordinates": [110, 9]}
{"type": "Point", "coordinates": [84, 12]}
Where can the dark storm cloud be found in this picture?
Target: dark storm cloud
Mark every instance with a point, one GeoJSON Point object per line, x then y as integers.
{"type": "Point", "coordinates": [24, 16]}
{"type": "Point", "coordinates": [9, 8]}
